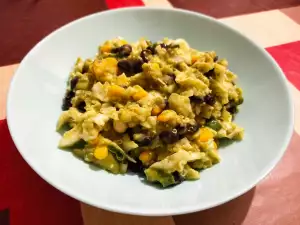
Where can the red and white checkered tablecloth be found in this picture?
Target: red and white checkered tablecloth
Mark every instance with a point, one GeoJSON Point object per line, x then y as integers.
{"type": "Point", "coordinates": [25, 199]}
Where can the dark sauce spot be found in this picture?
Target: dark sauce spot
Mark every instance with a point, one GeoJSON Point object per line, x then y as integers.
{"type": "Point", "coordinates": [67, 100]}
{"type": "Point", "coordinates": [216, 58]}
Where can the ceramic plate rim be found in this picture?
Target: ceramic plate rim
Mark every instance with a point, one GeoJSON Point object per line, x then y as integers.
{"type": "Point", "coordinates": [68, 191]}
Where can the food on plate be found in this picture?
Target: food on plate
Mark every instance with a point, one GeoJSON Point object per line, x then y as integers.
{"type": "Point", "coordinates": [158, 109]}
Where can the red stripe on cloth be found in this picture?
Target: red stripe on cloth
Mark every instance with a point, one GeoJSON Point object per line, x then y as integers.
{"type": "Point", "coordinates": [288, 57]}
{"type": "Point", "coordinates": [30, 199]}
{"type": "Point", "coordinates": [113, 4]}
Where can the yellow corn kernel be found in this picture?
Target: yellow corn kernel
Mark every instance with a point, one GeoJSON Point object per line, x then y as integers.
{"type": "Point", "coordinates": [194, 58]}
{"type": "Point", "coordinates": [205, 135]}
{"type": "Point", "coordinates": [105, 68]}
{"type": "Point", "coordinates": [106, 48]}
{"type": "Point", "coordinates": [141, 93]}
{"type": "Point", "coordinates": [146, 157]}
{"type": "Point", "coordinates": [156, 110]}
{"type": "Point", "coordinates": [122, 80]}
{"type": "Point", "coordinates": [167, 115]}
{"type": "Point", "coordinates": [94, 141]}
{"type": "Point", "coordinates": [155, 66]}
{"type": "Point", "coordinates": [123, 42]}
{"type": "Point", "coordinates": [116, 91]}
{"type": "Point", "coordinates": [101, 152]}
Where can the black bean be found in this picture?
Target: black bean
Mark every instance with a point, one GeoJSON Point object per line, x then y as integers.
{"type": "Point", "coordinates": [130, 133]}
{"type": "Point", "coordinates": [81, 107]}
{"type": "Point", "coordinates": [137, 66]}
{"type": "Point", "coordinates": [125, 50]}
{"type": "Point", "coordinates": [210, 73]}
{"type": "Point", "coordinates": [188, 129]}
{"type": "Point", "coordinates": [192, 128]}
{"type": "Point", "coordinates": [169, 137]}
{"type": "Point", "coordinates": [152, 47]}
{"type": "Point", "coordinates": [209, 99]}
{"type": "Point", "coordinates": [163, 45]}
{"type": "Point", "coordinates": [136, 167]}
{"type": "Point", "coordinates": [216, 58]}
{"type": "Point", "coordinates": [130, 66]}
{"type": "Point", "coordinates": [196, 99]}
{"type": "Point", "coordinates": [231, 106]}
{"type": "Point", "coordinates": [147, 140]}
{"type": "Point", "coordinates": [181, 130]}
{"type": "Point", "coordinates": [233, 109]}
{"type": "Point", "coordinates": [173, 46]}
{"type": "Point", "coordinates": [145, 55]}
{"type": "Point", "coordinates": [74, 82]}
{"type": "Point", "coordinates": [177, 177]}
{"type": "Point", "coordinates": [67, 100]}
{"type": "Point", "coordinates": [240, 101]}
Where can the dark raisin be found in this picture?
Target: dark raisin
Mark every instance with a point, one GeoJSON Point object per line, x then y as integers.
{"type": "Point", "coordinates": [216, 58]}
{"type": "Point", "coordinates": [209, 99]}
{"type": "Point", "coordinates": [81, 107]}
{"type": "Point", "coordinates": [169, 137]}
{"type": "Point", "coordinates": [130, 66]}
{"type": "Point", "coordinates": [210, 73]}
{"type": "Point", "coordinates": [74, 82]}
{"type": "Point", "coordinates": [145, 55]}
{"type": "Point", "coordinates": [67, 100]}
{"type": "Point", "coordinates": [196, 99]}
{"type": "Point", "coordinates": [177, 177]}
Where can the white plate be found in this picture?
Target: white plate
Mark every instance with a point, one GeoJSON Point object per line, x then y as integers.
{"type": "Point", "coordinates": [37, 89]}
